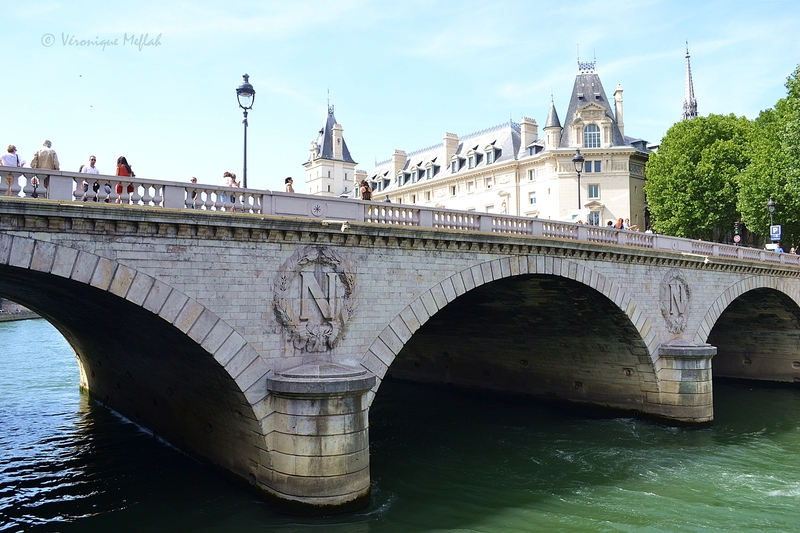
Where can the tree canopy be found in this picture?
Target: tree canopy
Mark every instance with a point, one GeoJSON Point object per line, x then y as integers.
{"type": "Point", "coordinates": [712, 171]}
{"type": "Point", "coordinates": [774, 169]}
{"type": "Point", "coordinates": [693, 179]}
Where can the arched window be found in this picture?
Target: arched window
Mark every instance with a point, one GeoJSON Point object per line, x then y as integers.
{"type": "Point", "coordinates": [591, 136]}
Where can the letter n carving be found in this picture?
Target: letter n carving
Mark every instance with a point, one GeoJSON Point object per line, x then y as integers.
{"type": "Point", "coordinates": [310, 287]}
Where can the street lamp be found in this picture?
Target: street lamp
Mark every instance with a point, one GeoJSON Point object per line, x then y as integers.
{"type": "Point", "coordinates": [246, 96]}
{"type": "Point", "coordinates": [578, 160]}
{"type": "Point", "coordinates": [771, 209]}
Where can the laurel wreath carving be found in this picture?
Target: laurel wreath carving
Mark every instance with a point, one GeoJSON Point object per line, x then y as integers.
{"type": "Point", "coordinates": [320, 335]}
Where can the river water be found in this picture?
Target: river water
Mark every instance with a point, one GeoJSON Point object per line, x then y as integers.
{"type": "Point", "coordinates": [441, 460]}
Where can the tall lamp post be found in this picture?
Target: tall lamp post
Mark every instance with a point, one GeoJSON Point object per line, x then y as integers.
{"type": "Point", "coordinates": [246, 96]}
{"type": "Point", "coordinates": [771, 209]}
{"type": "Point", "coordinates": [578, 160]}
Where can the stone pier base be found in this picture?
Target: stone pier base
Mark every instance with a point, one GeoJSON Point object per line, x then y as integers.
{"type": "Point", "coordinates": [318, 437]}
{"type": "Point", "coordinates": [685, 385]}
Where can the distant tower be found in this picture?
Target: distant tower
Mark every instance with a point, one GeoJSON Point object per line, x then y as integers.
{"type": "Point", "coordinates": [330, 169]}
{"type": "Point", "coordinates": [689, 103]}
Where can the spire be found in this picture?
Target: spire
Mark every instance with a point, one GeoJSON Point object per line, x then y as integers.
{"type": "Point", "coordinates": [552, 117]}
{"type": "Point", "coordinates": [689, 103]}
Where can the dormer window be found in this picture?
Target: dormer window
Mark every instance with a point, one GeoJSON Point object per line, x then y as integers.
{"type": "Point", "coordinates": [471, 160]}
{"type": "Point", "coordinates": [490, 157]}
{"type": "Point", "coordinates": [414, 175]}
{"type": "Point", "coordinates": [591, 136]}
{"type": "Point", "coordinates": [453, 165]}
{"type": "Point", "coordinates": [400, 179]}
{"type": "Point", "coordinates": [429, 170]}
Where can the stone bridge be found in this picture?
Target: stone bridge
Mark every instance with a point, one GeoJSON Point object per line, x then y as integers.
{"type": "Point", "coordinates": [257, 339]}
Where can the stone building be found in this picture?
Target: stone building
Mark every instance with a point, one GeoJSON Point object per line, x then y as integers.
{"type": "Point", "coordinates": [330, 169]}
{"type": "Point", "coordinates": [511, 169]}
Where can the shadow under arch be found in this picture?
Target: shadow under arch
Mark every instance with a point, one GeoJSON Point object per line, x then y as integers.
{"type": "Point", "coordinates": [755, 325]}
{"type": "Point", "coordinates": [144, 349]}
{"type": "Point", "coordinates": [533, 325]}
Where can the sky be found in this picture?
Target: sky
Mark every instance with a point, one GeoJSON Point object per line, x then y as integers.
{"type": "Point", "coordinates": [162, 90]}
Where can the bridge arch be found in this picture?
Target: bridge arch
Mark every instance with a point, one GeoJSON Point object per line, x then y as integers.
{"type": "Point", "coordinates": [392, 340]}
{"type": "Point", "coordinates": [145, 349]}
{"type": "Point", "coordinates": [755, 325]}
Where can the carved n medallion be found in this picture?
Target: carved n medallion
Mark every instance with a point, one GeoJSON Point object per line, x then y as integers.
{"type": "Point", "coordinates": [315, 298]}
{"type": "Point", "coordinates": [675, 300]}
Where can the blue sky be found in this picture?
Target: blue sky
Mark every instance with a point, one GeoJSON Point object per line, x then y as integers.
{"type": "Point", "coordinates": [400, 74]}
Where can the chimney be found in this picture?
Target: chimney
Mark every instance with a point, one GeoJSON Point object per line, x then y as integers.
{"type": "Point", "coordinates": [399, 159]}
{"type": "Point", "coordinates": [337, 141]}
{"type": "Point", "coordinates": [450, 147]}
{"type": "Point", "coordinates": [618, 109]}
{"type": "Point", "coordinates": [530, 131]}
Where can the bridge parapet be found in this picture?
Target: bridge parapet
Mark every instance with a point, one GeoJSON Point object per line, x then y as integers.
{"type": "Point", "coordinates": [180, 195]}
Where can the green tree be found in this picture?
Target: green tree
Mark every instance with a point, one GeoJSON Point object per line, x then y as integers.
{"type": "Point", "coordinates": [693, 179]}
{"type": "Point", "coordinates": [774, 169]}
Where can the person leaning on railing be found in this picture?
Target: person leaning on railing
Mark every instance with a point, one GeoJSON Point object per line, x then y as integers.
{"type": "Point", "coordinates": [10, 159]}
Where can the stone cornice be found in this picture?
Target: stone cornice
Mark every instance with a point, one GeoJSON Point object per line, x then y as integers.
{"type": "Point", "coordinates": [39, 218]}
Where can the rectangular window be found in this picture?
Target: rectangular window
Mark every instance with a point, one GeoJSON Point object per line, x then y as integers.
{"type": "Point", "coordinates": [594, 218]}
{"type": "Point", "coordinates": [587, 166]}
{"type": "Point", "coordinates": [427, 196]}
{"type": "Point", "coordinates": [453, 190]}
{"type": "Point", "coordinates": [532, 197]}
{"type": "Point", "coordinates": [399, 180]}
{"type": "Point", "coordinates": [329, 188]}
{"type": "Point", "coordinates": [471, 161]}
{"type": "Point", "coordinates": [597, 166]}
{"type": "Point", "coordinates": [489, 183]}
{"type": "Point", "coordinates": [345, 176]}
{"type": "Point", "coordinates": [329, 173]}
{"type": "Point", "coordinates": [453, 167]}
{"type": "Point", "coordinates": [413, 198]}
{"type": "Point", "coordinates": [594, 191]}
{"type": "Point", "coordinates": [414, 177]}
{"type": "Point", "coordinates": [470, 186]}
{"type": "Point", "coordinates": [490, 157]}
{"type": "Point", "coordinates": [532, 174]}
{"type": "Point", "coordinates": [428, 173]}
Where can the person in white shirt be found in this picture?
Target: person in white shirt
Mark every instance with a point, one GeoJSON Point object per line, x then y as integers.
{"type": "Point", "coordinates": [10, 159]}
{"type": "Point", "coordinates": [91, 169]}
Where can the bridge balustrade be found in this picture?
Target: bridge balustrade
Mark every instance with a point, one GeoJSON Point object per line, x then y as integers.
{"type": "Point", "coordinates": [68, 186]}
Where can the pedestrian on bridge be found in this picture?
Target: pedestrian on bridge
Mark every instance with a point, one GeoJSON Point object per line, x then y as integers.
{"type": "Point", "coordinates": [46, 159]}
{"type": "Point", "coordinates": [10, 159]}
{"type": "Point", "coordinates": [125, 170]}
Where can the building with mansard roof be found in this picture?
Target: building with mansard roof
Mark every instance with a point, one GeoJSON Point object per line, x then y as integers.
{"type": "Point", "coordinates": [330, 169]}
{"type": "Point", "coordinates": [510, 169]}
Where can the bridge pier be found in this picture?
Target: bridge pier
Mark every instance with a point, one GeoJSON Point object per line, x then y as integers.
{"type": "Point", "coordinates": [685, 386]}
{"type": "Point", "coordinates": [318, 437]}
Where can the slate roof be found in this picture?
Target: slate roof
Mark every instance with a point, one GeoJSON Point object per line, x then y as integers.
{"type": "Point", "coordinates": [552, 117]}
{"type": "Point", "coordinates": [325, 140]}
{"type": "Point", "coordinates": [589, 89]}
{"type": "Point", "coordinates": [504, 137]}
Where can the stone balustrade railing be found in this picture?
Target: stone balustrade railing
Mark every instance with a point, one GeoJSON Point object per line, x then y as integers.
{"type": "Point", "coordinates": [68, 186]}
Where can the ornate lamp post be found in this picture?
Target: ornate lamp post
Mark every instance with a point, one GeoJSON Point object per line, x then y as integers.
{"type": "Point", "coordinates": [578, 160]}
{"type": "Point", "coordinates": [246, 96]}
{"type": "Point", "coordinates": [771, 209]}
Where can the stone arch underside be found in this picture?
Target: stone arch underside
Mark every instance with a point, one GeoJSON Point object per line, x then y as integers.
{"type": "Point", "coordinates": [144, 349]}
{"type": "Point", "coordinates": [755, 326]}
{"type": "Point", "coordinates": [529, 325]}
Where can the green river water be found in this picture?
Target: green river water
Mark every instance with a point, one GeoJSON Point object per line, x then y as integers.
{"type": "Point", "coordinates": [441, 460]}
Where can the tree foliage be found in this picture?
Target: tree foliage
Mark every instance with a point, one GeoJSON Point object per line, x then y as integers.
{"type": "Point", "coordinates": [774, 169]}
{"type": "Point", "coordinates": [693, 180]}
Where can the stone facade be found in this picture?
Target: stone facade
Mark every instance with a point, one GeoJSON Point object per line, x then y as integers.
{"type": "Point", "coordinates": [259, 342]}
{"type": "Point", "coordinates": [509, 169]}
